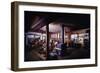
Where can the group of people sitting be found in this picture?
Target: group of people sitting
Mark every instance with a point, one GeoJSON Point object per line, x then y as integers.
{"type": "Point", "coordinates": [37, 51]}
{"type": "Point", "coordinates": [73, 51]}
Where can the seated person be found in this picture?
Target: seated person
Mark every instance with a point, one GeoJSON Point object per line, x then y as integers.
{"type": "Point", "coordinates": [53, 52]}
{"type": "Point", "coordinates": [58, 45]}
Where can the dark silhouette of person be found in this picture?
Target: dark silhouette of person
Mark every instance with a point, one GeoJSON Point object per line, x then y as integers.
{"type": "Point", "coordinates": [64, 51]}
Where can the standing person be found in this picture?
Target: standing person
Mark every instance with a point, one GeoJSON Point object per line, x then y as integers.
{"type": "Point", "coordinates": [64, 51]}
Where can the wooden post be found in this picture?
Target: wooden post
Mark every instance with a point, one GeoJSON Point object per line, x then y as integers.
{"type": "Point", "coordinates": [48, 39]}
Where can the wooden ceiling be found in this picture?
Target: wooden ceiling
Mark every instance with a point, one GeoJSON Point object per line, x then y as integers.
{"type": "Point", "coordinates": [36, 20]}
